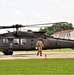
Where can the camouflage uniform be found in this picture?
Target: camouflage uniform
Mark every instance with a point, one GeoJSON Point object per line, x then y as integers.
{"type": "Point", "coordinates": [39, 46]}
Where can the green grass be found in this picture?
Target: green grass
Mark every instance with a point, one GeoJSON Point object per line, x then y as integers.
{"type": "Point", "coordinates": [37, 67]}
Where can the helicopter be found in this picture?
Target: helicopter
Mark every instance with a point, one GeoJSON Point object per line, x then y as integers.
{"type": "Point", "coordinates": [18, 40]}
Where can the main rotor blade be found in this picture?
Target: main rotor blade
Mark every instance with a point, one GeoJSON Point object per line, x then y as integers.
{"type": "Point", "coordinates": [13, 26]}
{"type": "Point", "coordinates": [19, 25]}
{"type": "Point", "coordinates": [5, 27]}
{"type": "Point", "coordinates": [42, 24]}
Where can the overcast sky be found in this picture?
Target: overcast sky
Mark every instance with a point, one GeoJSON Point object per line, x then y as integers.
{"type": "Point", "coordinates": [36, 11]}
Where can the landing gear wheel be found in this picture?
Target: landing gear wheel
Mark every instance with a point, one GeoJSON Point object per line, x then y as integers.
{"type": "Point", "coordinates": [9, 52]}
{"type": "Point", "coordinates": [5, 53]}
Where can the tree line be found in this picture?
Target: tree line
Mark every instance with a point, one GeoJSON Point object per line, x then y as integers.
{"type": "Point", "coordinates": [56, 27]}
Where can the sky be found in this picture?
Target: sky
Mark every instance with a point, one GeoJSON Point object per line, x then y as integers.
{"type": "Point", "coordinates": [35, 11]}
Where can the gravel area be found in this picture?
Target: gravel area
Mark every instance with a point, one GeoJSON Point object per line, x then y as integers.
{"type": "Point", "coordinates": [32, 55]}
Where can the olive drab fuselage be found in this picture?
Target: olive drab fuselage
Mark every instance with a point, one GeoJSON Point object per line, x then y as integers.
{"type": "Point", "coordinates": [28, 40]}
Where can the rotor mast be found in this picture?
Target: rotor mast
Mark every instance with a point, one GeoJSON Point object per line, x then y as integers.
{"type": "Point", "coordinates": [17, 26]}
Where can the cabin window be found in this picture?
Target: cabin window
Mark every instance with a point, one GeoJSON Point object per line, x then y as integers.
{"type": "Point", "coordinates": [16, 41]}
{"type": "Point", "coordinates": [5, 40]}
{"type": "Point", "coordinates": [32, 40]}
{"type": "Point", "coordinates": [23, 41]}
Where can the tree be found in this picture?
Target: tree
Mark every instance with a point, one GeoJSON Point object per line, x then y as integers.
{"type": "Point", "coordinates": [56, 27]}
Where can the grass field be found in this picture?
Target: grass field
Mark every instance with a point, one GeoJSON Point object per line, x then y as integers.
{"type": "Point", "coordinates": [37, 67]}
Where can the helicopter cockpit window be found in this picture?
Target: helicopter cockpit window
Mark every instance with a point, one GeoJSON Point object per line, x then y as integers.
{"type": "Point", "coordinates": [16, 41]}
{"type": "Point", "coordinates": [23, 41]}
{"type": "Point", "coordinates": [5, 40]}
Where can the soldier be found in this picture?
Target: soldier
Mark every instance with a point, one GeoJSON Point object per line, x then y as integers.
{"type": "Point", "coordinates": [39, 46]}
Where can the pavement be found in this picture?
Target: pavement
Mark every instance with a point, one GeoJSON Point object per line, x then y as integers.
{"type": "Point", "coordinates": [33, 55]}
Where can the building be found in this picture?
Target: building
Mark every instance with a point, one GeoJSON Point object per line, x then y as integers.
{"type": "Point", "coordinates": [65, 34]}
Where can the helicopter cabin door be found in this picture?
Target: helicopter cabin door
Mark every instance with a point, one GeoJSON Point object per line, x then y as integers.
{"type": "Point", "coordinates": [23, 43]}
{"type": "Point", "coordinates": [5, 43]}
{"type": "Point", "coordinates": [31, 43]}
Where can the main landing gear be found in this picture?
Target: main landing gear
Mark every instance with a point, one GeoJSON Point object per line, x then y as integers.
{"type": "Point", "coordinates": [8, 52]}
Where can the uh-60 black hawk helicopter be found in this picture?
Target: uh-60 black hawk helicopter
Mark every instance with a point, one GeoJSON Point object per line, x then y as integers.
{"type": "Point", "coordinates": [18, 40]}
